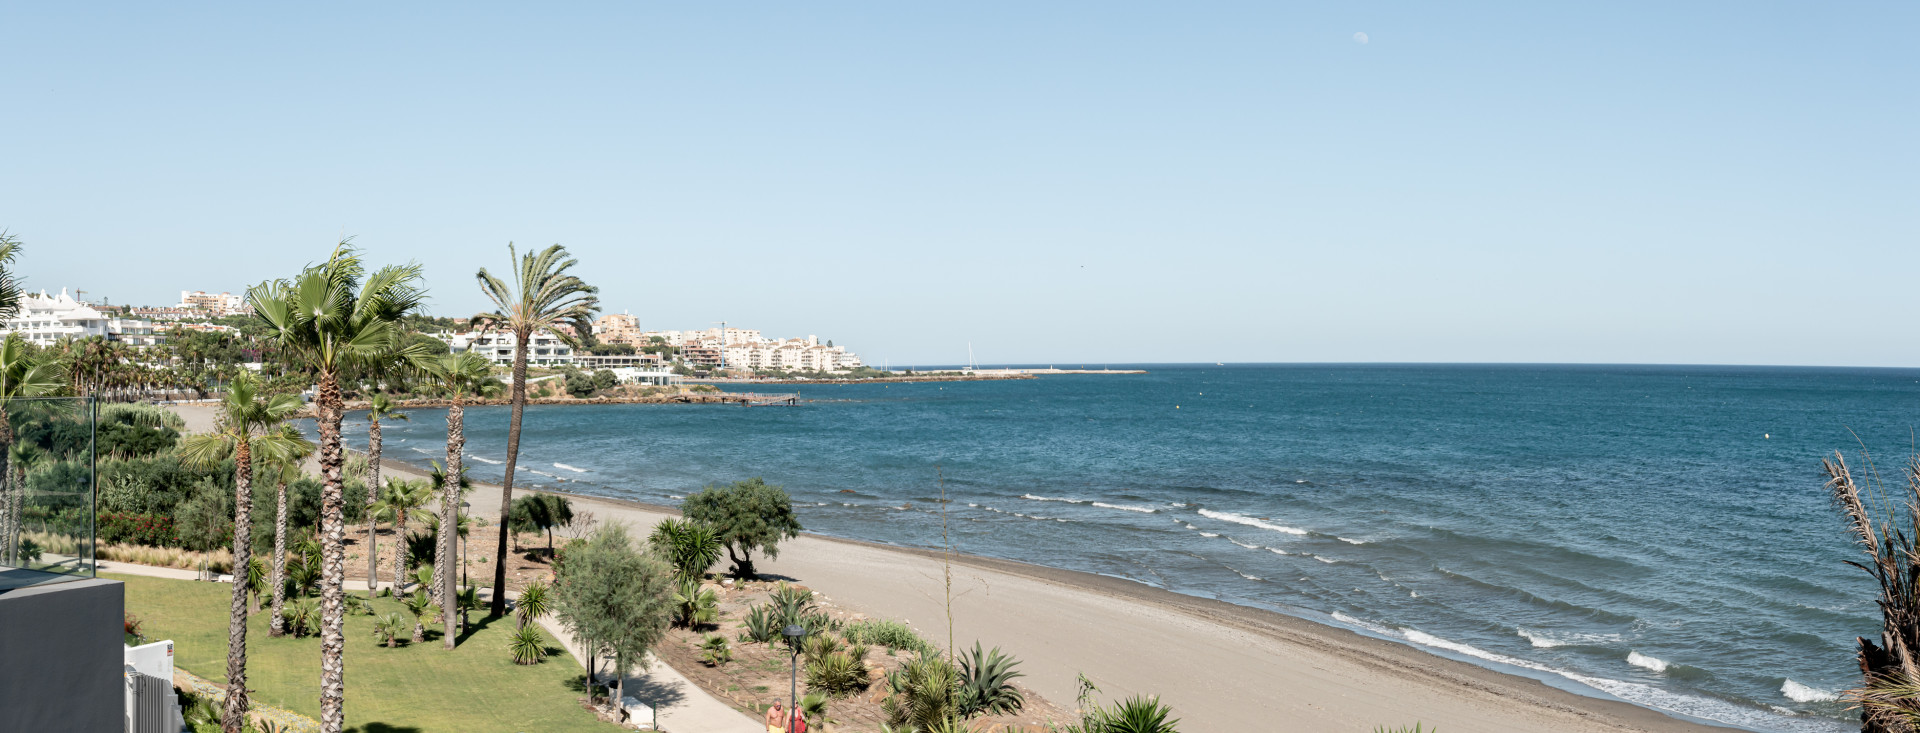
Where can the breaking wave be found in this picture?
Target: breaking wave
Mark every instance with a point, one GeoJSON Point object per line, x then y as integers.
{"type": "Point", "coordinates": [1250, 521]}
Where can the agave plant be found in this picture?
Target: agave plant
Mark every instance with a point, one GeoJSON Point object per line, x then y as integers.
{"type": "Point", "coordinates": [836, 673]}
{"type": "Point", "coordinates": [924, 693]}
{"type": "Point", "coordinates": [762, 625]}
{"type": "Point", "coordinates": [694, 606]}
{"type": "Point", "coordinates": [987, 683]}
{"type": "Point", "coordinates": [715, 651]}
{"type": "Point", "coordinates": [1138, 715]}
{"type": "Point", "coordinates": [528, 645]}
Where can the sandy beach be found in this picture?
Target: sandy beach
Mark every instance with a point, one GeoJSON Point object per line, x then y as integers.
{"type": "Point", "coordinates": [1222, 667]}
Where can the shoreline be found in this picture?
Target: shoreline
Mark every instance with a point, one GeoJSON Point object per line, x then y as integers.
{"type": "Point", "coordinates": [1223, 666]}
{"type": "Point", "coordinates": [1470, 696]}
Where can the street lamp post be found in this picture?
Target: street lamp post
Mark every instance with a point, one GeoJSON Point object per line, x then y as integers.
{"type": "Point", "coordinates": [463, 569]}
{"type": "Point", "coordinates": [795, 634]}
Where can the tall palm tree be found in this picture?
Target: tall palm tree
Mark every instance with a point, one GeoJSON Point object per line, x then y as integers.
{"type": "Point", "coordinates": [24, 373]}
{"type": "Point", "coordinates": [245, 419]}
{"type": "Point", "coordinates": [457, 376]}
{"type": "Point", "coordinates": [543, 296]}
{"type": "Point", "coordinates": [331, 317]}
{"type": "Point", "coordinates": [402, 501]}
{"type": "Point", "coordinates": [379, 407]}
{"type": "Point", "coordinates": [283, 467]}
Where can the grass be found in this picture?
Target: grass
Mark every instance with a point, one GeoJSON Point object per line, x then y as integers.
{"type": "Point", "coordinates": [411, 689]}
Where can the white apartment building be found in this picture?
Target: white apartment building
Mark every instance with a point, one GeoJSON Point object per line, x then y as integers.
{"type": "Point", "coordinates": [215, 305]}
{"type": "Point", "coordinates": [45, 319]}
{"type": "Point", "coordinates": [790, 355]}
{"type": "Point", "coordinates": [545, 349]}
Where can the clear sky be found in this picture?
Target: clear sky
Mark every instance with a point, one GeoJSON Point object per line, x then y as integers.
{"type": "Point", "coordinates": [1051, 182]}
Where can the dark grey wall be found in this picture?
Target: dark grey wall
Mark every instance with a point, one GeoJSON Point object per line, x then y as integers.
{"type": "Point", "coordinates": [61, 658]}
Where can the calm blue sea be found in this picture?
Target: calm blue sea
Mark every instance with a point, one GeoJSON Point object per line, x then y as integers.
{"type": "Point", "coordinates": [1657, 533]}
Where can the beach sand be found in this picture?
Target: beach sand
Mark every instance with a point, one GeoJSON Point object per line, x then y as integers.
{"type": "Point", "coordinates": [1222, 667]}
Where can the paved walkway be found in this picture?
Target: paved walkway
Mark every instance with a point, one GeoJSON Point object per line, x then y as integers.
{"type": "Point", "coordinates": [682, 706]}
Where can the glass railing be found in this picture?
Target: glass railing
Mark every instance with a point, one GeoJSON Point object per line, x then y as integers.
{"type": "Point", "coordinates": [46, 490]}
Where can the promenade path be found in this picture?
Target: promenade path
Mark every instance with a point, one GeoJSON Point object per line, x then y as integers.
{"type": "Point", "coordinates": [682, 706]}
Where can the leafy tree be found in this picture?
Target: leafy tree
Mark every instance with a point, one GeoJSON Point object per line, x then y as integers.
{"type": "Point", "coordinates": [246, 420]}
{"type": "Point", "coordinates": [579, 384]}
{"type": "Point", "coordinates": [614, 595]}
{"type": "Point", "coordinates": [612, 349]}
{"type": "Point", "coordinates": [542, 297]}
{"type": "Point", "coordinates": [749, 515]}
{"type": "Point", "coordinates": [205, 520]}
{"type": "Point", "coordinates": [604, 379]}
{"type": "Point", "coordinates": [331, 318]}
{"type": "Point", "coordinates": [540, 513]}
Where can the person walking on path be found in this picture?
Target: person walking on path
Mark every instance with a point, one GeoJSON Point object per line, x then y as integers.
{"type": "Point", "coordinates": [776, 719]}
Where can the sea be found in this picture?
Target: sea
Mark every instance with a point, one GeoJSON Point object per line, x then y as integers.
{"type": "Point", "coordinates": [1659, 534]}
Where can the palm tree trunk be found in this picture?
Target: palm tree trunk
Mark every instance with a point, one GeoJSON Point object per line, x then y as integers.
{"type": "Point", "coordinates": [278, 580]}
{"type": "Point", "coordinates": [235, 714]}
{"type": "Point", "coordinates": [445, 549]}
{"type": "Point", "coordinates": [519, 400]}
{"type": "Point", "coordinates": [10, 493]}
{"type": "Point", "coordinates": [399, 548]}
{"type": "Point", "coordinates": [373, 493]}
{"type": "Point", "coordinates": [333, 611]}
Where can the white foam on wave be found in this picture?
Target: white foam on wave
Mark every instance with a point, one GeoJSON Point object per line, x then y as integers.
{"type": "Point", "coordinates": [1125, 508]}
{"type": "Point", "coordinates": [1801, 693]}
{"type": "Point", "coordinates": [1325, 560]}
{"type": "Point", "coordinates": [1351, 542]}
{"type": "Point", "coordinates": [418, 449]}
{"type": "Point", "coordinates": [1278, 551]}
{"type": "Point", "coordinates": [1543, 640]}
{"type": "Point", "coordinates": [675, 496]}
{"type": "Point", "coordinates": [1209, 534]}
{"type": "Point", "coordinates": [1031, 497]}
{"type": "Point", "coordinates": [1244, 575]}
{"type": "Point", "coordinates": [1249, 521]}
{"type": "Point", "coordinates": [1645, 662]}
{"type": "Point", "coordinates": [483, 460]}
{"type": "Point", "coordinates": [569, 468]}
{"type": "Point", "coordinates": [1243, 544]}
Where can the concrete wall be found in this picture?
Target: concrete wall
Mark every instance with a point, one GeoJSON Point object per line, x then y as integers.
{"type": "Point", "coordinates": [62, 658]}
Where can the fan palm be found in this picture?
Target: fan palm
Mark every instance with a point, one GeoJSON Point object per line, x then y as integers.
{"type": "Point", "coordinates": [246, 419]}
{"type": "Point", "coordinates": [456, 376]}
{"type": "Point", "coordinates": [542, 298]}
{"type": "Point", "coordinates": [330, 318]}
{"type": "Point", "coordinates": [282, 465]}
{"type": "Point", "coordinates": [403, 500]}
{"type": "Point", "coordinates": [24, 373]}
{"type": "Point", "coordinates": [379, 407]}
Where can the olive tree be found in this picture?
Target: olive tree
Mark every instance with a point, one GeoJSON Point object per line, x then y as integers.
{"type": "Point", "coordinates": [750, 515]}
{"type": "Point", "coordinates": [615, 598]}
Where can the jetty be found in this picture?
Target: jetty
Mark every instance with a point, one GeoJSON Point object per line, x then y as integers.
{"type": "Point", "coordinates": [752, 399]}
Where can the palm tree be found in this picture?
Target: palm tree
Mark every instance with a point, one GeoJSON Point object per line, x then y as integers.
{"type": "Point", "coordinates": [283, 468]}
{"type": "Point", "coordinates": [24, 373]}
{"type": "Point", "coordinates": [245, 416]}
{"type": "Point", "coordinates": [402, 501]}
{"type": "Point", "coordinates": [330, 318]}
{"type": "Point", "coordinates": [379, 407]}
{"type": "Point", "coordinates": [542, 298]}
{"type": "Point", "coordinates": [457, 376]}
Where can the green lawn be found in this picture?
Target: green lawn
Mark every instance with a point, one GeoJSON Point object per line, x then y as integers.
{"type": "Point", "coordinates": [476, 687]}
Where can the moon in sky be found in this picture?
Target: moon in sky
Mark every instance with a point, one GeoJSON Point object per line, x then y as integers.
{"type": "Point", "coordinates": [1360, 38]}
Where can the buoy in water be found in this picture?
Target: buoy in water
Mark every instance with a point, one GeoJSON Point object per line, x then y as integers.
{"type": "Point", "coordinates": [1768, 436]}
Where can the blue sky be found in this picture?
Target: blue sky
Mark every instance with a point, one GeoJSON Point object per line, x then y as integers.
{"type": "Point", "coordinates": [1051, 182]}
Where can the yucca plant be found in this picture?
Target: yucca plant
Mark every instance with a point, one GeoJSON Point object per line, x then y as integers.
{"type": "Point", "coordinates": [528, 645]}
{"type": "Point", "coordinates": [690, 546]}
{"type": "Point", "coordinates": [923, 694]}
{"type": "Point", "coordinates": [819, 645]}
{"type": "Point", "coordinates": [256, 580]}
{"type": "Point", "coordinates": [715, 651]}
{"type": "Point", "coordinates": [694, 606]}
{"type": "Point", "coordinates": [791, 601]}
{"type": "Point", "coordinates": [533, 603]}
{"type": "Point", "coordinates": [836, 674]}
{"type": "Point", "coordinates": [1887, 531]}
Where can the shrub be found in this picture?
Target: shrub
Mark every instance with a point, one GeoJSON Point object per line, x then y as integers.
{"type": "Point", "coordinates": [690, 546]}
{"type": "Point", "coordinates": [694, 606]}
{"type": "Point", "coordinates": [922, 693]}
{"type": "Point", "coordinates": [893, 635]}
{"type": "Point", "coordinates": [528, 645]}
{"type": "Point", "coordinates": [154, 530]}
{"type": "Point", "coordinates": [389, 628]}
{"type": "Point", "coordinates": [533, 603]}
{"type": "Point", "coordinates": [303, 619]}
{"type": "Point", "coordinates": [1137, 715]}
{"type": "Point", "coordinates": [836, 674]}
